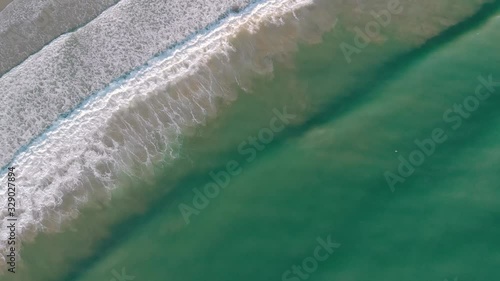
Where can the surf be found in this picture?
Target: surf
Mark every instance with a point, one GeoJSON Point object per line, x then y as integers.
{"type": "Point", "coordinates": [138, 123]}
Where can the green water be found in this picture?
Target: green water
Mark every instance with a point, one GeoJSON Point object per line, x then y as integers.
{"type": "Point", "coordinates": [324, 176]}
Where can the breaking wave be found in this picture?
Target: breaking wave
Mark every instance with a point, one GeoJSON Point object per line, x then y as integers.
{"type": "Point", "coordinates": [138, 122]}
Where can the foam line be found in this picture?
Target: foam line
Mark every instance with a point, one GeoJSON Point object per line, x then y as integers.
{"type": "Point", "coordinates": [26, 26]}
{"type": "Point", "coordinates": [64, 73]}
{"type": "Point", "coordinates": [138, 122]}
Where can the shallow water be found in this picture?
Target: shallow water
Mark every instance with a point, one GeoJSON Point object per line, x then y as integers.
{"type": "Point", "coordinates": [322, 175]}
{"type": "Point", "coordinates": [326, 178]}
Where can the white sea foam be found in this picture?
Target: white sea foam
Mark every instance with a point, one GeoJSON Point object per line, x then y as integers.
{"type": "Point", "coordinates": [26, 25]}
{"type": "Point", "coordinates": [127, 129]}
{"type": "Point", "coordinates": [68, 70]}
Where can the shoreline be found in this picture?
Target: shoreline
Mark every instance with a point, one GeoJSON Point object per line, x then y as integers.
{"type": "Point", "coordinates": [90, 87]}
{"type": "Point", "coordinates": [124, 93]}
{"type": "Point", "coordinates": [142, 74]}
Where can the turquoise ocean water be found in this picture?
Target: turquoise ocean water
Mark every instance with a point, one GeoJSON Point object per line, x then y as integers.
{"type": "Point", "coordinates": [324, 174]}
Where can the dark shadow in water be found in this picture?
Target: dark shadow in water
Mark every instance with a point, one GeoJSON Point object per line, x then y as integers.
{"type": "Point", "coordinates": [122, 231]}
